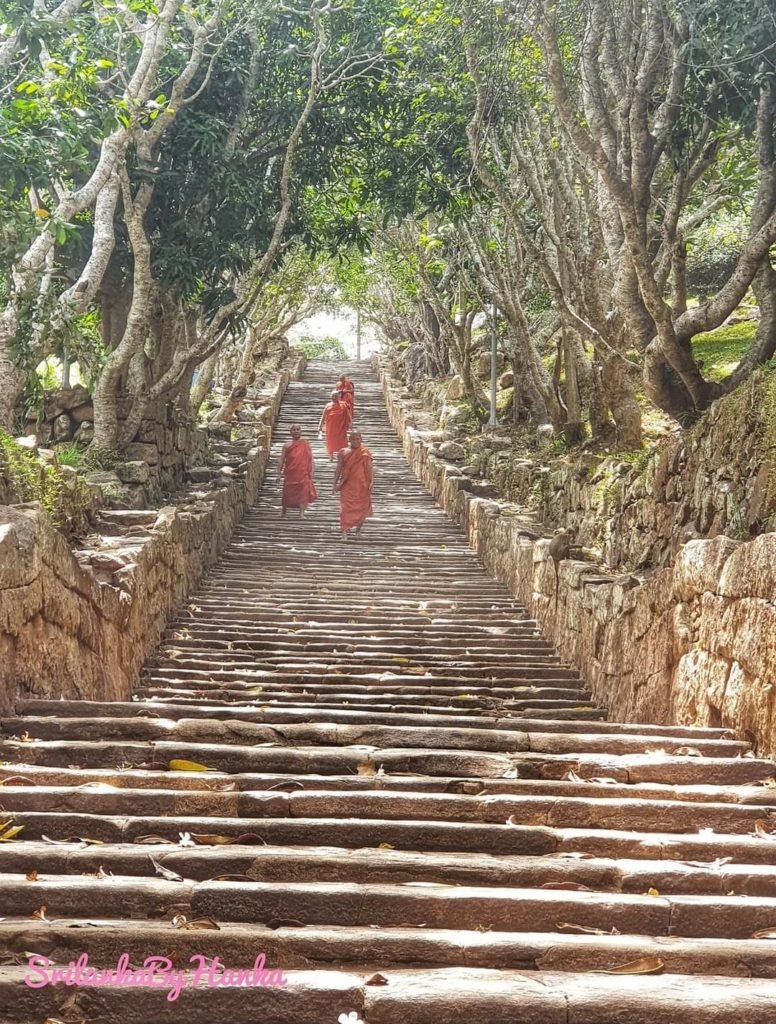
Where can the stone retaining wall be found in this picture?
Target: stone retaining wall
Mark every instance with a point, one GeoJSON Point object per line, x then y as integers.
{"type": "Point", "coordinates": [695, 643]}
{"type": "Point", "coordinates": [80, 624]}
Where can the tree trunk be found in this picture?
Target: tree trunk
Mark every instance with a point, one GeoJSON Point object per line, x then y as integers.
{"type": "Point", "coordinates": [621, 398]}
{"type": "Point", "coordinates": [200, 390]}
{"type": "Point", "coordinates": [11, 375]}
{"type": "Point", "coordinates": [574, 430]}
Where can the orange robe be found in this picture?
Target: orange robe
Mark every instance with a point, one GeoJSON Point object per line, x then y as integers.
{"type": "Point", "coordinates": [348, 394]}
{"type": "Point", "coordinates": [354, 491]}
{"type": "Point", "coordinates": [336, 423]}
{"type": "Point", "coordinates": [298, 486]}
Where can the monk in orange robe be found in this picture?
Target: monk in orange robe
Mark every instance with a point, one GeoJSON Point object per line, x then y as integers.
{"type": "Point", "coordinates": [348, 393]}
{"type": "Point", "coordinates": [353, 481]}
{"type": "Point", "coordinates": [335, 421]}
{"type": "Point", "coordinates": [297, 469]}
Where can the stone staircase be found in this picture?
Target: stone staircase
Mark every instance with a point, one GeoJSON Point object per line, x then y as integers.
{"type": "Point", "coordinates": [413, 808]}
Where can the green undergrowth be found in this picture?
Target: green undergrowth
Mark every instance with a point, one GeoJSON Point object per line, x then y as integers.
{"type": "Point", "coordinates": [720, 351]}
{"type": "Point", "coordinates": [24, 478]}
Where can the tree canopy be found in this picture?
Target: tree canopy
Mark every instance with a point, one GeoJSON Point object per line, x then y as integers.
{"type": "Point", "coordinates": [179, 183]}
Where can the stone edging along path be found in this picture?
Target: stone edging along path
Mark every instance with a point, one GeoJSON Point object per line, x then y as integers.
{"type": "Point", "coordinates": [80, 624]}
{"type": "Point", "coordinates": [694, 644]}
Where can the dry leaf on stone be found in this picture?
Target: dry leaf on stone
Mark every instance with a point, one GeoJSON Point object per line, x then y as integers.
{"type": "Point", "coordinates": [571, 777]}
{"type": "Point", "coordinates": [40, 913]}
{"type": "Point", "coordinates": [212, 839]}
{"type": "Point", "coordinates": [166, 873]}
{"type": "Point", "coordinates": [199, 924]}
{"type": "Point", "coordinates": [646, 965]}
{"type": "Point", "coordinates": [377, 979]}
{"type": "Point", "coordinates": [686, 752]}
{"type": "Point", "coordinates": [32, 876]}
{"type": "Point", "coordinates": [386, 846]}
{"type": "Point", "coordinates": [573, 855]}
{"type": "Point", "coordinates": [181, 765]}
{"type": "Point", "coordinates": [153, 841]}
{"type": "Point", "coordinates": [603, 780]}
{"type": "Point", "coordinates": [285, 786]}
{"type": "Point", "coordinates": [285, 923]}
{"type": "Point", "coordinates": [367, 768]}
{"type": "Point", "coordinates": [17, 780]}
{"type": "Point", "coordinates": [652, 892]}
{"type": "Point", "coordinates": [570, 886]}
{"type": "Point", "coordinates": [759, 831]}
{"type": "Point", "coordinates": [713, 864]}
{"type": "Point", "coordinates": [764, 933]}
{"type": "Point", "coordinates": [566, 926]}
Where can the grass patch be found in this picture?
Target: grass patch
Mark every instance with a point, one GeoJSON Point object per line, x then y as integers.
{"type": "Point", "coordinates": [720, 351]}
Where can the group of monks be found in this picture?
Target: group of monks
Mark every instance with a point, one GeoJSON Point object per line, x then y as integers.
{"type": "Point", "coordinates": [353, 474]}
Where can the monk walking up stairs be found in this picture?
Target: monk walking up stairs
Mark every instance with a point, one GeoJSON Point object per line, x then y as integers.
{"type": "Point", "coordinates": [411, 808]}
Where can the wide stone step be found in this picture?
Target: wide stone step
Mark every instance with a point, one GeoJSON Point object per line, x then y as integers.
{"type": "Point", "coordinates": [444, 995]}
{"type": "Point", "coordinates": [334, 864]}
{"type": "Point", "coordinates": [321, 946]}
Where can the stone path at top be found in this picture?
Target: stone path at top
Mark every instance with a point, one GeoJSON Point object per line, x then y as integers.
{"type": "Point", "coordinates": [415, 810]}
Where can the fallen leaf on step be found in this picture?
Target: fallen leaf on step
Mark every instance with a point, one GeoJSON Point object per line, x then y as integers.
{"type": "Point", "coordinates": [765, 933]}
{"type": "Point", "coordinates": [686, 752]}
{"type": "Point", "coordinates": [386, 846]}
{"type": "Point", "coordinates": [571, 886]}
{"type": "Point", "coordinates": [40, 914]}
{"type": "Point", "coordinates": [603, 780]}
{"type": "Point", "coordinates": [646, 965]}
{"type": "Point", "coordinates": [759, 831]}
{"type": "Point", "coordinates": [285, 923]}
{"type": "Point", "coordinates": [244, 839]}
{"type": "Point", "coordinates": [400, 659]}
{"type": "Point", "coordinates": [367, 768]}
{"type": "Point", "coordinates": [153, 841]}
{"type": "Point", "coordinates": [16, 780]}
{"type": "Point", "coordinates": [571, 777]}
{"type": "Point", "coordinates": [582, 929]}
{"type": "Point", "coordinates": [199, 924]}
{"type": "Point", "coordinates": [573, 855]}
{"type": "Point", "coordinates": [406, 924]}
{"type": "Point", "coordinates": [178, 765]}
{"type": "Point", "coordinates": [32, 876]}
{"type": "Point", "coordinates": [160, 869]}
{"type": "Point", "coordinates": [652, 892]}
{"type": "Point", "coordinates": [9, 831]}
{"type": "Point", "coordinates": [713, 864]}
{"type": "Point", "coordinates": [285, 786]}
{"type": "Point", "coordinates": [377, 979]}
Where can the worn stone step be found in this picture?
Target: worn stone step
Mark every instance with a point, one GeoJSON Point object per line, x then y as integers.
{"type": "Point", "coordinates": [314, 946]}
{"type": "Point", "coordinates": [444, 995]}
{"type": "Point", "coordinates": [330, 864]}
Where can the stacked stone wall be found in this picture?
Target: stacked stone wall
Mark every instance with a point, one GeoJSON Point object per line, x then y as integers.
{"type": "Point", "coordinates": [79, 623]}
{"type": "Point", "coordinates": [692, 643]}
